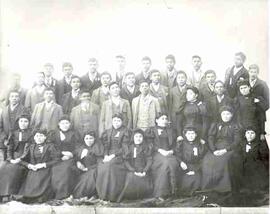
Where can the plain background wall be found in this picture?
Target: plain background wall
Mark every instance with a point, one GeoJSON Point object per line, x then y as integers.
{"type": "Point", "coordinates": [34, 32]}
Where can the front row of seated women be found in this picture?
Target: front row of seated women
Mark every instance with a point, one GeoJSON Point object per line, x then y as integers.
{"type": "Point", "coordinates": [126, 165]}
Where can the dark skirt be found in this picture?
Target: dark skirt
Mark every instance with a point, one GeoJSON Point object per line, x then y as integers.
{"type": "Point", "coordinates": [11, 178]}
{"type": "Point", "coordinates": [110, 179]}
{"type": "Point", "coordinates": [63, 178]}
{"type": "Point", "coordinates": [216, 173]}
{"type": "Point", "coordinates": [165, 171]}
{"type": "Point", "coordinates": [190, 183]}
{"type": "Point", "coordinates": [37, 186]}
{"type": "Point", "coordinates": [86, 184]}
{"type": "Point", "coordinates": [136, 187]}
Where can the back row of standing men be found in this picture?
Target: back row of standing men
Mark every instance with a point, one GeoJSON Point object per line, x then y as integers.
{"type": "Point", "coordinates": [92, 100]}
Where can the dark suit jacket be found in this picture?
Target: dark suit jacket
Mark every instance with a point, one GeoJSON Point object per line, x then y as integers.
{"type": "Point", "coordinates": [87, 84]}
{"type": "Point", "coordinates": [261, 91]}
{"type": "Point", "coordinates": [232, 79]}
{"type": "Point", "coordinates": [205, 92]}
{"type": "Point", "coordinates": [125, 94]}
{"type": "Point", "coordinates": [6, 126]}
{"type": "Point", "coordinates": [139, 77]}
{"type": "Point", "coordinates": [62, 88]}
{"type": "Point", "coordinates": [68, 103]}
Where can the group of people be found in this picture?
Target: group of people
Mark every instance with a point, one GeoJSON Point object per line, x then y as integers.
{"type": "Point", "coordinates": [158, 133]}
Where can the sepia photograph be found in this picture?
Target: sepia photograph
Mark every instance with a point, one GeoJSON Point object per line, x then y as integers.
{"type": "Point", "coordinates": [134, 106]}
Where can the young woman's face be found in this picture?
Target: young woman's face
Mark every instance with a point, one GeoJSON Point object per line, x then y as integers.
{"type": "Point", "coordinates": [244, 89]}
{"type": "Point", "coordinates": [250, 135]}
{"type": "Point", "coordinates": [138, 138]}
{"type": "Point", "coordinates": [162, 121]}
{"type": "Point", "coordinates": [23, 123]}
{"type": "Point", "coordinates": [191, 135]}
{"type": "Point", "coordinates": [191, 96]}
{"type": "Point", "coordinates": [64, 125]}
{"type": "Point", "coordinates": [226, 116]}
{"type": "Point", "coordinates": [116, 122]}
{"type": "Point", "coordinates": [89, 140]}
{"type": "Point", "coordinates": [39, 138]}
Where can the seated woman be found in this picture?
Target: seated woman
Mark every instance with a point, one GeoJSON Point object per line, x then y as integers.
{"type": "Point", "coordinates": [220, 165]}
{"type": "Point", "coordinates": [88, 155]}
{"type": "Point", "coordinates": [189, 153]}
{"type": "Point", "coordinates": [12, 173]}
{"type": "Point", "coordinates": [64, 172]}
{"type": "Point", "coordinates": [111, 172]}
{"type": "Point", "coordinates": [165, 172]}
{"type": "Point", "coordinates": [39, 159]}
{"type": "Point", "coordinates": [138, 160]}
{"type": "Point", "coordinates": [254, 175]}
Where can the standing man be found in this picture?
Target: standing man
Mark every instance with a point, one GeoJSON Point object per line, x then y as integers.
{"type": "Point", "coordinates": [49, 81]}
{"type": "Point", "coordinates": [235, 73]}
{"type": "Point", "coordinates": [207, 89]}
{"type": "Point", "coordinates": [91, 80]}
{"type": "Point", "coordinates": [46, 114]}
{"type": "Point", "coordinates": [196, 78]}
{"type": "Point", "coordinates": [121, 70]}
{"type": "Point", "coordinates": [64, 84]}
{"type": "Point", "coordinates": [145, 73]}
{"type": "Point", "coordinates": [169, 75]}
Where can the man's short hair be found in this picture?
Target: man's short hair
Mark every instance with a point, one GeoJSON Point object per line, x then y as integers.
{"type": "Point", "coordinates": [67, 64]}
{"type": "Point", "coordinates": [170, 56]}
{"type": "Point", "coordinates": [218, 81]}
{"type": "Point", "coordinates": [210, 72]}
{"type": "Point", "coordinates": [92, 59]}
{"type": "Point", "coordinates": [146, 58]}
{"type": "Point", "coordinates": [181, 72]}
{"type": "Point", "coordinates": [196, 57]}
{"type": "Point", "coordinates": [48, 65]}
{"type": "Point", "coordinates": [129, 73]}
{"type": "Point", "coordinates": [242, 55]}
{"type": "Point", "coordinates": [75, 77]}
{"type": "Point", "coordinates": [154, 71]}
{"type": "Point", "coordinates": [106, 73]}
{"type": "Point", "coordinates": [49, 89]}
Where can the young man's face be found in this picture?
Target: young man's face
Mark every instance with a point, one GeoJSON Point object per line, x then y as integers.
{"type": "Point", "coordinates": [64, 125]}
{"type": "Point", "coordinates": [181, 79]}
{"type": "Point", "coordinates": [85, 97]}
{"type": "Point", "coordinates": [244, 89]}
{"type": "Point", "coordinates": [253, 73]}
{"type": "Point", "coordinates": [210, 78]}
{"type": "Point", "coordinates": [105, 79]}
{"type": "Point", "coordinates": [116, 122]}
{"type": "Point", "coordinates": [170, 64]}
{"type": "Point", "coordinates": [23, 123]}
{"type": "Point", "coordinates": [67, 70]}
{"type": "Point", "coordinates": [144, 88]}
{"type": "Point", "coordinates": [130, 80]}
{"type": "Point", "coordinates": [89, 140]}
{"type": "Point", "coordinates": [250, 135]}
{"type": "Point", "coordinates": [155, 77]}
{"type": "Point", "coordinates": [114, 90]}
{"type": "Point", "coordinates": [146, 64]}
{"type": "Point", "coordinates": [219, 88]}
{"type": "Point", "coordinates": [226, 116]}
{"type": "Point", "coordinates": [121, 62]}
{"type": "Point", "coordinates": [48, 96]}
{"type": "Point", "coordinates": [75, 83]}
{"type": "Point", "coordinates": [48, 70]}
{"type": "Point", "coordinates": [40, 79]}
{"type": "Point", "coordinates": [162, 121]}
{"type": "Point", "coordinates": [138, 138]}
{"type": "Point", "coordinates": [39, 138]}
{"type": "Point", "coordinates": [14, 98]}
{"type": "Point", "coordinates": [196, 62]}
{"type": "Point", "coordinates": [191, 135]}
{"type": "Point", "coordinates": [238, 61]}
{"type": "Point", "coordinates": [93, 65]}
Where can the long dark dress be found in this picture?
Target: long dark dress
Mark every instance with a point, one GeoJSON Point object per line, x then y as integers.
{"type": "Point", "coordinates": [193, 114]}
{"type": "Point", "coordinates": [13, 175]}
{"type": "Point", "coordinates": [111, 175]}
{"type": "Point", "coordinates": [86, 181]}
{"type": "Point", "coordinates": [220, 173]}
{"type": "Point", "coordinates": [254, 174]}
{"type": "Point", "coordinates": [64, 172]}
{"type": "Point", "coordinates": [137, 187]}
{"type": "Point", "coordinates": [191, 153]}
{"type": "Point", "coordinates": [37, 185]}
{"type": "Point", "coordinates": [164, 169]}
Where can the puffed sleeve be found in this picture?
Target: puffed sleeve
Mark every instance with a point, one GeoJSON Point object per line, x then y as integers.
{"type": "Point", "coordinates": [212, 136]}
{"type": "Point", "coordinates": [150, 137]}
{"type": "Point", "coordinates": [105, 142]}
{"type": "Point", "coordinates": [149, 157]}
{"type": "Point", "coordinates": [236, 138]}
{"type": "Point", "coordinates": [54, 156]}
{"type": "Point", "coordinates": [205, 120]}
